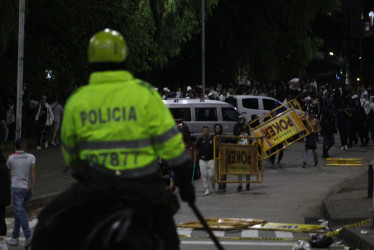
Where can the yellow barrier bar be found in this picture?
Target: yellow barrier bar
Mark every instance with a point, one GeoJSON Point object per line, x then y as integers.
{"type": "Point", "coordinates": [343, 162]}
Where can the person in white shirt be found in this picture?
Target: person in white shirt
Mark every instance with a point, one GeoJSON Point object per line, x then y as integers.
{"type": "Point", "coordinates": [22, 170]}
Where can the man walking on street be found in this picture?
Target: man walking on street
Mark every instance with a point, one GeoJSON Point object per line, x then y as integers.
{"type": "Point", "coordinates": [44, 119]}
{"type": "Point", "coordinates": [57, 115]}
{"type": "Point", "coordinates": [204, 150]}
{"type": "Point", "coordinates": [22, 171]}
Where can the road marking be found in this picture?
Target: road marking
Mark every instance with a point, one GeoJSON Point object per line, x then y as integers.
{"type": "Point", "coordinates": [184, 231]}
{"type": "Point", "coordinates": [250, 233]}
{"type": "Point", "coordinates": [219, 233]}
{"type": "Point", "coordinates": [281, 234]}
{"type": "Point", "coordinates": [238, 243]}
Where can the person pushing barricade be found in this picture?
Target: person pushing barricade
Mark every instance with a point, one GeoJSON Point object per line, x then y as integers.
{"type": "Point", "coordinates": [113, 132]}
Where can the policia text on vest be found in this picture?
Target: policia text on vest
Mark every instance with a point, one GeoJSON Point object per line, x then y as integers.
{"type": "Point", "coordinates": [104, 115]}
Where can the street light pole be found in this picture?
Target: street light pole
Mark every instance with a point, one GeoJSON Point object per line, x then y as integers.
{"type": "Point", "coordinates": [203, 47]}
{"type": "Point", "coordinates": [21, 30]}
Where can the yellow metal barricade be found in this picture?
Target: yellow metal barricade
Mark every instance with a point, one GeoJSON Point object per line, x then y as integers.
{"type": "Point", "coordinates": [233, 158]}
{"type": "Point", "coordinates": [282, 126]}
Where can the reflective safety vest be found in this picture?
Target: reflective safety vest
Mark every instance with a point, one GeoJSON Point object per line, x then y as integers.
{"type": "Point", "coordinates": [120, 122]}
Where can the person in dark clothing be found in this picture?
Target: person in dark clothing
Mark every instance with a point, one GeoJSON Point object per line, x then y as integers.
{"type": "Point", "coordinates": [327, 131]}
{"type": "Point", "coordinates": [276, 147]}
{"type": "Point", "coordinates": [357, 124]}
{"type": "Point", "coordinates": [204, 151]}
{"type": "Point", "coordinates": [4, 198]}
{"type": "Point", "coordinates": [218, 131]}
{"type": "Point", "coordinates": [252, 122]}
{"type": "Point", "coordinates": [343, 122]}
{"type": "Point", "coordinates": [239, 126]}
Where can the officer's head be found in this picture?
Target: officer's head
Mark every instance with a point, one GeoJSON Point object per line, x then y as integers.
{"type": "Point", "coordinates": [107, 50]}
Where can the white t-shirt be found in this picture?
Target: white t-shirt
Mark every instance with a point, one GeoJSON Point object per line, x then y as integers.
{"type": "Point", "coordinates": [19, 165]}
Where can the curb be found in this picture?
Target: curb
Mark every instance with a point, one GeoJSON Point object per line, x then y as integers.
{"type": "Point", "coordinates": [329, 212]}
{"type": "Point", "coordinates": [34, 204]}
{"type": "Point", "coordinates": [355, 237]}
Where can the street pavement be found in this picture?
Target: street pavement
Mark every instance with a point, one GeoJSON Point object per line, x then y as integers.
{"type": "Point", "coordinates": [289, 194]}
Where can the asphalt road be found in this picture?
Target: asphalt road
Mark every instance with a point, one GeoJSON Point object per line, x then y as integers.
{"type": "Point", "coordinates": [287, 195]}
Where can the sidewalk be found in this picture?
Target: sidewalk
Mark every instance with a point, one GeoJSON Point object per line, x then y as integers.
{"type": "Point", "coordinates": [350, 204]}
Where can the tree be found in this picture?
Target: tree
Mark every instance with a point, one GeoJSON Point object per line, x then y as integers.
{"type": "Point", "coordinates": [57, 34]}
{"type": "Point", "coordinates": [270, 39]}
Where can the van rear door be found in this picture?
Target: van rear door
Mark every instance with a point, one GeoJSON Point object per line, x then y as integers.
{"type": "Point", "coordinates": [229, 119]}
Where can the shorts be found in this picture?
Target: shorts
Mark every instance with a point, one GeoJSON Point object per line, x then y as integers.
{"type": "Point", "coordinates": [56, 125]}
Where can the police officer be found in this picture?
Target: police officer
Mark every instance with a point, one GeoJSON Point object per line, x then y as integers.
{"type": "Point", "coordinates": [113, 132]}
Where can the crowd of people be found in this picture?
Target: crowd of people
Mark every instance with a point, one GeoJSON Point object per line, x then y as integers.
{"type": "Point", "coordinates": [347, 109]}
{"type": "Point", "coordinates": [45, 121]}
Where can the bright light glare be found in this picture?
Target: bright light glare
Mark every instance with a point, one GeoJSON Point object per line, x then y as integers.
{"type": "Point", "coordinates": [358, 79]}
{"type": "Point", "coordinates": [331, 53]}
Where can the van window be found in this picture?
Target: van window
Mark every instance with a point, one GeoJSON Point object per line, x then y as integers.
{"type": "Point", "coordinates": [181, 113]}
{"type": "Point", "coordinates": [206, 114]}
{"type": "Point", "coordinates": [229, 114]}
{"type": "Point", "coordinates": [250, 103]}
{"type": "Point", "coordinates": [270, 104]}
{"type": "Point", "coordinates": [232, 101]}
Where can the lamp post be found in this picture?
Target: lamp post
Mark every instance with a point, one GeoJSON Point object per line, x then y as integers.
{"type": "Point", "coordinates": [21, 31]}
{"type": "Point", "coordinates": [203, 47]}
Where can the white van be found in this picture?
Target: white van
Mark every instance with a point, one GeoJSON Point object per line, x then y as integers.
{"type": "Point", "coordinates": [198, 113]}
{"type": "Point", "coordinates": [250, 105]}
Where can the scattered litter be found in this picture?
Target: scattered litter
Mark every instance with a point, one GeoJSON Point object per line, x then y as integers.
{"type": "Point", "coordinates": [320, 241]}
{"type": "Point", "coordinates": [324, 223]}
{"type": "Point", "coordinates": [302, 245]}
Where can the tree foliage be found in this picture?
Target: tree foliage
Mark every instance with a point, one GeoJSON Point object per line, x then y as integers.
{"type": "Point", "coordinates": [57, 34]}
{"type": "Point", "coordinates": [269, 40]}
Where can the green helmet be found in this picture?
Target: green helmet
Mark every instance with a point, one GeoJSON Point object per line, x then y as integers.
{"type": "Point", "coordinates": [107, 46]}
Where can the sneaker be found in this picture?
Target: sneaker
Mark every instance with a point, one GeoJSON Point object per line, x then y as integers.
{"type": "Point", "coordinates": [53, 143]}
{"type": "Point", "coordinates": [342, 148]}
{"type": "Point", "coordinates": [304, 165]}
{"type": "Point", "coordinates": [346, 147]}
{"type": "Point", "coordinates": [3, 245]}
{"type": "Point", "coordinates": [38, 148]}
{"type": "Point", "coordinates": [12, 242]}
{"type": "Point", "coordinates": [316, 164]}
{"type": "Point", "coordinates": [240, 188]}
{"type": "Point", "coordinates": [27, 242]}
{"type": "Point", "coordinates": [247, 187]}
{"type": "Point", "coordinates": [206, 192]}
{"type": "Point", "coordinates": [46, 145]}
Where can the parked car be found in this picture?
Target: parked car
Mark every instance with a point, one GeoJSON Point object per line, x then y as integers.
{"type": "Point", "coordinates": [197, 113]}
{"type": "Point", "coordinates": [249, 105]}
